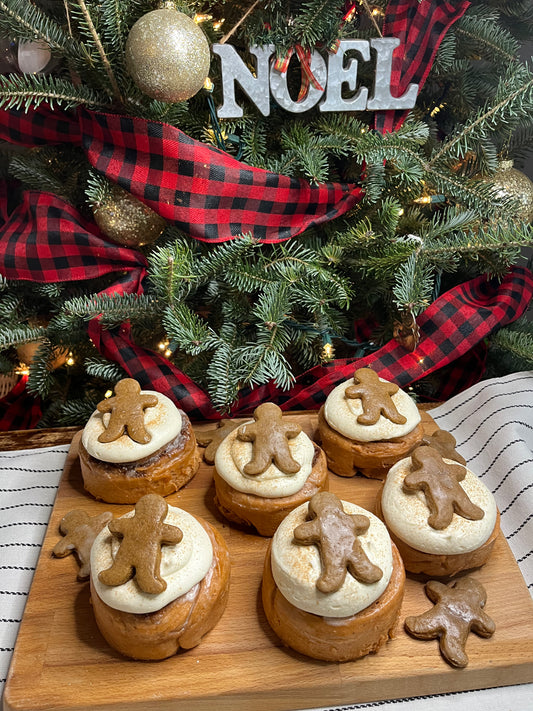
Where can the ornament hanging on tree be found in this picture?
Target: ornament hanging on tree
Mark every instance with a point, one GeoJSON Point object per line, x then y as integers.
{"type": "Point", "coordinates": [33, 57]}
{"type": "Point", "coordinates": [510, 182]}
{"type": "Point", "coordinates": [126, 220]}
{"type": "Point", "coordinates": [167, 55]}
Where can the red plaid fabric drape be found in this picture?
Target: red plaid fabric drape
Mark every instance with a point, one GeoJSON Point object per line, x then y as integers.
{"type": "Point", "coordinates": [202, 190]}
{"type": "Point", "coordinates": [420, 27]}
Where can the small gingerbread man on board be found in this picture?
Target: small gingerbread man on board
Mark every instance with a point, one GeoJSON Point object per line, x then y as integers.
{"type": "Point", "coordinates": [335, 533]}
{"type": "Point", "coordinates": [458, 611]}
{"type": "Point", "coordinates": [440, 483]}
{"type": "Point", "coordinates": [127, 412]}
{"type": "Point", "coordinates": [375, 396]}
{"type": "Point", "coordinates": [139, 553]}
{"type": "Point", "coordinates": [269, 434]}
{"type": "Point", "coordinates": [444, 442]}
{"type": "Point", "coordinates": [211, 439]}
{"type": "Point", "coordinates": [80, 530]}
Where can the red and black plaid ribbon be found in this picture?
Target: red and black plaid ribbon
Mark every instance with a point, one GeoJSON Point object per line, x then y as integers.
{"type": "Point", "coordinates": [41, 244]}
{"type": "Point", "coordinates": [202, 190]}
{"type": "Point", "coordinates": [420, 27]}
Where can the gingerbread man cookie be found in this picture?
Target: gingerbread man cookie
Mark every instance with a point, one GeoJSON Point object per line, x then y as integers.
{"type": "Point", "coordinates": [210, 439]}
{"type": "Point", "coordinates": [139, 554]}
{"type": "Point", "coordinates": [444, 442]}
{"type": "Point", "coordinates": [458, 610]}
{"type": "Point", "coordinates": [375, 396]}
{"type": "Point", "coordinates": [79, 531]}
{"type": "Point", "coordinates": [269, 434]}
{"type": "Point", "coordinates": [127, 412]}
{"type": "Point", "coordinates": [335, 533]}
{"type": "Point", "coordinates": [440, 483]}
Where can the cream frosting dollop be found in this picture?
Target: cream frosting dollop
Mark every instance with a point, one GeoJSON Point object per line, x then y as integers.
{"type": "Point", "coordinates": [297, 567]}
{"type": "Point", "coordinates": [183, 565]}
{"type": "Point", "coordinates": [406, 514]}
{"type": "Point", "coordinates": [341, 414]}
{"type": "Point", "coordinates": [233, 454]}
{"type": "Point", "coordinates": [163, 423]}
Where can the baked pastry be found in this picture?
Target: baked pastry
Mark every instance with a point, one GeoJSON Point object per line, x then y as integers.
{"type": "Point", "coordinates": [266, 468]}
{"type": "Point", "coordinates": [440, 514]}
{"type": "Point", "coordinates": [366, 425]}
{"type": "Point", "coordinates": [159, 580]}
{"type": "Point", "coordinates": [333, 582]}
{"type": "Point", "coordinates": [135, 443]}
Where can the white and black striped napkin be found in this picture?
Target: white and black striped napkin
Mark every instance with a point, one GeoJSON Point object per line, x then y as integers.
{"type": "Point", "coordinates": [28, 486]}
{"type": "Point", "coordinates": [493, 425]}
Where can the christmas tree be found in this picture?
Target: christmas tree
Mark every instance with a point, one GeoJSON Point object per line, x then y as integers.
{"type": "Point", "coordinates": [230, 202]}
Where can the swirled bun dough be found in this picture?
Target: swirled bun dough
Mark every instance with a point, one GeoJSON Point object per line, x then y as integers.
{"type": "Point", "coordinates": [261, 501]}
{"type": "Point", "coordinates": [122, 470]}
{"type": "Point", "coordinates": [462, 544]}
{"type": "Point", "coordinates": [368, 430]}
{"type": "Point", "coordinates": [148, 626]}
{"type": "Point", "coordinates": [352, 621]}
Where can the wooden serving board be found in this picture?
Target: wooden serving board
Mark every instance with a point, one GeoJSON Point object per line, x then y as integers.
{"type": "Point", "coordinates": [61, 662]}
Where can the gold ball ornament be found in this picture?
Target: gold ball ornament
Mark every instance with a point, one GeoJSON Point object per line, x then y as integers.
{"type": "Point", "coordinates": [510, 182]}
{"type": "Point", "coordinates": [167, 55]}
{"type": "Point", "coordinates": [126, 220]}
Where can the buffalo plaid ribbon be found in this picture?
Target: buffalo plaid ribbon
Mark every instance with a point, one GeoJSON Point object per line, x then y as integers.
{"type": "Point", "coordinates": [45, 240]}
{"type": "Point", "coordinates": [420, 25]}
{"type": "Point", "coordinates": [202, 190]}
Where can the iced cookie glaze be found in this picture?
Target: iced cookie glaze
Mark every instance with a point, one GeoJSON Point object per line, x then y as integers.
{"type": "Point", "coordinates": [163, 423]}
{"type": "Point", "coordinates": [296, 568]}
{"type": "Point", "coordinates": [182, 566]}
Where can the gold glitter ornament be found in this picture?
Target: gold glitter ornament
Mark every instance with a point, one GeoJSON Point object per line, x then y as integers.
{"type": "Point", "coordinates": [126, 220]}
{"type": "Point", "coordinates": [510, 182]}
{"type": "Point", "coordinates": [167, 55]}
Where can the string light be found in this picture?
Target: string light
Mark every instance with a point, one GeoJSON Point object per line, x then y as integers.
{"type": "Point", "coordinates": [436, 110]}
{"type": "Point", "coordinates": [202, 18]}
{"type": "Point", "coordinates": [163, 345]}
{"type": "Point", "coordinates": [108, 394]}
{"type": "Point", "coordinates": [70, 359]}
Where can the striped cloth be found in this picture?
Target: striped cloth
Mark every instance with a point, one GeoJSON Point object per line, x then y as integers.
{"type": "Point", "coordinates": [492, 423]}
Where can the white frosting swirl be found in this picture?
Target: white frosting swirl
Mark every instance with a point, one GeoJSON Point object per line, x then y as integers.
{"type": "Point", "coordinates": [183, 565]}
{"type": "Point", "coordinates": [163, 422]}
{"type": "Point", "coordinates": [341, 414]}
{"type": "Point", "coordinates": [406, 514]}
{"type": "Point", "coordinates": [296, 567]}
{"type": "Point", "coordinates": [232, 456]}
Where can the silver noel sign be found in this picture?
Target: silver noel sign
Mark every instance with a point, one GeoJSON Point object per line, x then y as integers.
{"type": "Point", "coordinates": [332, 77]}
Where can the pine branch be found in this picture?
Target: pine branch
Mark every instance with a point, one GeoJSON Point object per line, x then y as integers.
{"type": "Point", "coordinates": [513, 101]}
{"type": "Point", "coordinates": [19, 335]}
{"type": "Point", "coordinates": [479, 29]}
{"type": "Point", "coordinates": [25, 21]}
{"type": "Point", "coordinates": [22, 91]}
{"type": "Point", "coordinates": [101, 51]}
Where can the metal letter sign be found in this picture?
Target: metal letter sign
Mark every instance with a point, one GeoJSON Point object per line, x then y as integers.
{"type": "Point", "coordinates": [339, 72]}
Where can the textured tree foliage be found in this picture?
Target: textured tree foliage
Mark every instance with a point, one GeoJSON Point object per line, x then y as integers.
{"type": "Point", "coordinates": [241, 313]}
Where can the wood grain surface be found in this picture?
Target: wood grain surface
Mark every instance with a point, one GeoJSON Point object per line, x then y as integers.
{"type": "Point", "coordinates": [61, 662]}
